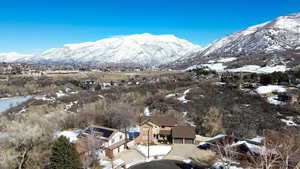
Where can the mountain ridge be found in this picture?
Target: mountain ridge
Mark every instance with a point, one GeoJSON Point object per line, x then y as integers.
{"type": "Point", "coordinates": [141, 49]}
{"type": "Point", "coordinates": [276, 42]}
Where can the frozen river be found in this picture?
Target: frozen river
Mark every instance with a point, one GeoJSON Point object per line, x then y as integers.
{"type": "Point", "coordinates": [9, 102]}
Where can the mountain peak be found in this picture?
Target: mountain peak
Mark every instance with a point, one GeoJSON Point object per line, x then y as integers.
{"type": "Point", "coordinates": [140, 49]}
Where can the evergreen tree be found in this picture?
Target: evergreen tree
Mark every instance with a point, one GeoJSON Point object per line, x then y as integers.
{"type": "Point", "coordinates": [64, 155]}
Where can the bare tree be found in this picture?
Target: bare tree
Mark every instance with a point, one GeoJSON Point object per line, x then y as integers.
{"type": "Point", "coordinates": [281, 149]}
{"type": "Point", "coordinates": [226, 155]}
{"type": "Point", "coordinates": [91, 146]}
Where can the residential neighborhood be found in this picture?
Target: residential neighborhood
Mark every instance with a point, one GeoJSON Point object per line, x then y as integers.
{"type": "Point", "coordinates": [149, 84]}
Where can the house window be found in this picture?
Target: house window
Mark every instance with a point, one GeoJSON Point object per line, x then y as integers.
{"type": "Point", "coordinates": [145, 137]}
{"type": "Point", "coordinates": [112, 141]}
{"type": "Point", "coordinates": [145, 129]}
{"type": "Point", "coordinates": [121, 137]}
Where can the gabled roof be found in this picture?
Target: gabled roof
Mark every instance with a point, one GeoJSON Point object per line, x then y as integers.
{"type": "Point", "coordinates": [183, 132]}
{"type": "Point", "coordinates": [168, 121]}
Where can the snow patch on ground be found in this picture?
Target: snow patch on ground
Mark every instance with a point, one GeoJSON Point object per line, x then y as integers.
{"type": "Point", "coordinates": [69, 106]}
{"type": "Point", "coordinates": [257, 139]}
{"type": "Point", "coordinates": [258, 69]}
{"type": "Point", "coordinates": [44, 98]}
{"type": "Point", "coordinates": [220, 165]}
{"type": "Point", "coordinates": [270, 89]}
{"type": "Point", "coordinates": [147, 111]}
{"type": "Point", "coordinates": [225, 60]}
{"type": "Point", "coordinates": [187, 161]}
{"type": "Point", "coordinates": [60, 93]}
{"type": "Point", "coordinates": [71, 135]}
{"type": "Point", "coordinates": [22, 110]}
{"type": "Point", "coordinates": [170, 95]}
{"type": "Point", "coordinates": [156, 150]}
{"type": "Point", "coordinates": [274, 100]}
{"type": "Point", "coordinates": [182, 99]}
{"type": "Point", "coordinates": [219, 67]}
{"type": "Point", "coordinates": [289, 122]}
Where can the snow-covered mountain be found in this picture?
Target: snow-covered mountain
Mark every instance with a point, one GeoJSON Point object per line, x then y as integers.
{"type": "Point", "coordinates": [280, 34]}
{"type": "Point", "coordinates": [272, 43]}
{"type": "Point", "coordinates": [13, 57]}
{"type": "Point", "coordinates": [141, 49]}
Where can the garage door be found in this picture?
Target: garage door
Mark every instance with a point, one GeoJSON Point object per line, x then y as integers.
{"type": "Point", "coordinates": [189, 141]}
{"type": "Point", "coordinates": [178, 141]}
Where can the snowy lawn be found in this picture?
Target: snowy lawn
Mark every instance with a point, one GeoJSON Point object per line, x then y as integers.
{"type": "Point", "coordinates": [155, 150]}
{"type": "Point", "coordinates": [270, 89]}
{"type": "Point", "coordinates": [71, 135]}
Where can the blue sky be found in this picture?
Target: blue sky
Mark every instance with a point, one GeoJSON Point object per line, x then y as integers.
{"type": "Point", "coordinates": [30, 26]}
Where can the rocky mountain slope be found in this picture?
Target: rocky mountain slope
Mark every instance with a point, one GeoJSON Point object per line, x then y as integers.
{"type": "Point", "coordinates": [140, 49]}
{"type": "Point", "coordinates": [275, 42]}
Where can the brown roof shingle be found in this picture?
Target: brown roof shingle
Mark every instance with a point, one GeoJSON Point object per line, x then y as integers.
{"type": "Point", "coordinates": [167, 121]}
{"type": "Point", "coordinates": [183, 132]}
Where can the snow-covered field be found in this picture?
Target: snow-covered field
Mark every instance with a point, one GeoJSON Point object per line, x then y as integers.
{"type": "Point", "coordinates": [155, 150]}
{"type": "Point", "coordinates": [270, 89]}
{"type": "Point", "coordinates": [258, 69]}
{"type": "Point", "coordinates": [7, 103]}
{"type": "Point", "coordinates": [70, 134]}
{"type": "Point", "coordinates": [219, 67]}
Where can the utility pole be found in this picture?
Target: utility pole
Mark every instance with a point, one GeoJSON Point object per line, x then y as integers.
{"type": "Point", "coordinates": [148, 142]}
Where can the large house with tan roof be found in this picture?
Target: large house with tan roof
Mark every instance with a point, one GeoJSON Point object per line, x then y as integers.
{"type": "Point", "coordinates": [159, 129]}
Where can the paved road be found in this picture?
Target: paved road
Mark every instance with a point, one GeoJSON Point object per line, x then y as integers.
{"type": "Point", "coordinates": [182, 150]}
{"type": "Point", "coordinates": [189, 151]}
{"type": "Point", "coordinates": [130, 156]}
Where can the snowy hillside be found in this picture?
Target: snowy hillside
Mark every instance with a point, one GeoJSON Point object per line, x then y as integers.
{"type": "Point", "coordinates": [142, 49]}
{"type": "Point", "coordinates": [272, 43]}
{"type": "Point", "coordinates": [279, 34]}
{"type": "Point", "coordinates": [13, 57]}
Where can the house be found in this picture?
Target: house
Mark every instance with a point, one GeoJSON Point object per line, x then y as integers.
{"type": "Point", "coordinates": [156, 129]}
{"type": "Point", "coordinates": [164, 129]}
{"type": "Point", "coordinates": [146, 134]}
{"type": "Point", "coordinates": [112, 141]}
{"type": "Point", "coordinates": [183, 135]}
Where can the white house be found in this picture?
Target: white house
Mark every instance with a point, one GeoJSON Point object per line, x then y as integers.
{"type": "Point", "coordinates": [112, 140]}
